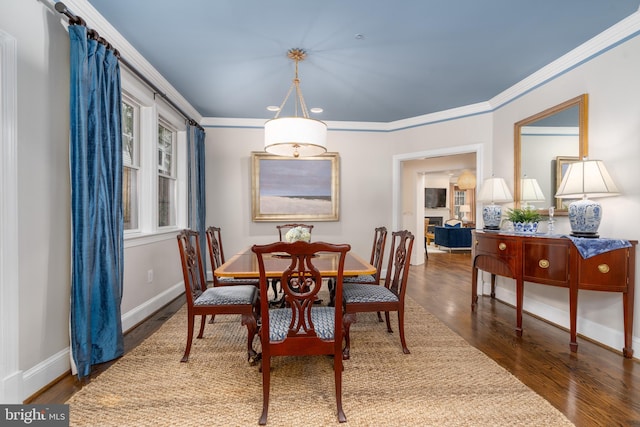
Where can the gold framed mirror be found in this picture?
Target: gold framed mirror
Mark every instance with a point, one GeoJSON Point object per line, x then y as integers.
{"type": "Point", "coordinates": [545, 144]}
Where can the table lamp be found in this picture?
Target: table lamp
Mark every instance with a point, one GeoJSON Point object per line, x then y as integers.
{"type": "Point", "coordinates": [464, 209]}
{"type": "Point", "coordinates": [494, 190]}
{"type": "Point", "coordinates": [584, 179]}
{"type": "Point", "coordinates": [530, 191]}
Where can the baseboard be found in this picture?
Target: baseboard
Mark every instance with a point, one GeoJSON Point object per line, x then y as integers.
{"type": "Point", "coordinates": [595, 332]}
{"type": "Point", "coordinates": [11, 388]}
{"type": "Point", "coordinates": [143, 311]}
{"type": "Point", "coordinates": [47, 371]}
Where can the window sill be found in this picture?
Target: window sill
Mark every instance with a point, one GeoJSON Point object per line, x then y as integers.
{"type": "Point", "coordinates": [134, 238]}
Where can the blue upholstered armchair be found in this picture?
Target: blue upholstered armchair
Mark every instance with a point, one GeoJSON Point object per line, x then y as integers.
{"type": "Point", "coordinates": [453, 236]}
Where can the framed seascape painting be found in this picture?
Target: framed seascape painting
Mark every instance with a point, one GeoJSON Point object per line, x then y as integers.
{"type": "Point", "coordinates": [294, 189]}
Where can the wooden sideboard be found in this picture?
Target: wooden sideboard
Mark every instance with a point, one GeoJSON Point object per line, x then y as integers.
{"type": "Point", "coordinates": [555, 261]}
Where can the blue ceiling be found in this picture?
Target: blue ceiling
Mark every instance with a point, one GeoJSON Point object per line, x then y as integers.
{"type": "Point", "coordinates": [368, 60]}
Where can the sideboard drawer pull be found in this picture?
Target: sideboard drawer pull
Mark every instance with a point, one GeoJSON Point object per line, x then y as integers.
{"type": "Point", "coordinates": [603, 268]}
{"type": "Point", "coordinates": [502, 246]}
{"type": "Point", "coordinates": [543, 263]}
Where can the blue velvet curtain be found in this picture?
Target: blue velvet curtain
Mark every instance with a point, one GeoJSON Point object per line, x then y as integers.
{"type": "Point", "coordinates": [196, 190]}
{"type": "Point", "coordinates": [96, 202]}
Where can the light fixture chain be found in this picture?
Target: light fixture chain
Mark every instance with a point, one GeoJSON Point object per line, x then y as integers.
{"type": "Point", "coordinates": [285, 99]}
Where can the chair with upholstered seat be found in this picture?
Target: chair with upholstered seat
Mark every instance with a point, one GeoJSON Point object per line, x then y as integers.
{"type": "Point", "coordinates": [216, 256]}
{"type": "Point", "coordinates": [359, 297]}
{"type": "Point", "coordinates": [301, 327]}
{"type": "Point", "coordinates": [377, 254]}
{"type": "Point", "coordinates": [202, 301]}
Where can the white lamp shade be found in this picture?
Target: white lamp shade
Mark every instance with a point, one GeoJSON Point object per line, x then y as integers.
{"type": "Point", "coordinates": [295, 137]}
{"type": "Point", "coordinates": [588, 178]}
{"type": "Point", "coordinates": [465, 208]}
{"type": "Point", "coordinates": [495, 190]}
{"type": "Point", "coordinates": [530, 190]}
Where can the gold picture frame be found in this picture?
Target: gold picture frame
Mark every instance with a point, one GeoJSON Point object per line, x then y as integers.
{"type": "Point", "coordinates": [295, 189]}
{"type": "Point", "coordinates": [562, 163]}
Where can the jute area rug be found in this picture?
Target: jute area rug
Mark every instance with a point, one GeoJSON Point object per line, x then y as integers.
{"type": "Point", "coordinates": [443, 382]}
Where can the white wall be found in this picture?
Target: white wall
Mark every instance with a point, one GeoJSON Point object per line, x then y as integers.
{"type": "Point", "coordinates": [365, 187]}
{"type": "Point", "coordinates": [43, 184]}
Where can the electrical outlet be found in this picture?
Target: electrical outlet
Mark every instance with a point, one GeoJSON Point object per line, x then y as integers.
{"type": "Point", "coordinates": [149, 276]}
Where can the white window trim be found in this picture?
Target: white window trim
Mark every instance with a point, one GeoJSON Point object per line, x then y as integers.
{"type": "Point", "coordinates": [135, 164]}
{"type": "Point", "coordinates": [152, 110]}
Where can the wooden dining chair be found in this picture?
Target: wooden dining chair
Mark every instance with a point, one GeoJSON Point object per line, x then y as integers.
{"type": "Point", "coordinates": [282, 229]}
{"type": "Point", "coordinates": [216, 256]}
{"type": "Point", "coordinates": [203, 301]}
{"type": "Point", "coordinates": [377, 255]}
{"type": "Point", "coordinates": [358, 297]}
{"type": "Point", "coordinates": [301, 327]}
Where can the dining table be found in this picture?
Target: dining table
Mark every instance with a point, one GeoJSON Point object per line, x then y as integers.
{"type": "Point", "coordinates": [244, 264]}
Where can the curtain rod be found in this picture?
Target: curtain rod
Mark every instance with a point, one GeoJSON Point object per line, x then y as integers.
{"type": "Point", "coordinates": [77, 20]}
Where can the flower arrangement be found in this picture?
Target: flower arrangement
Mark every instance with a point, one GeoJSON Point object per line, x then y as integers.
{"type": "Point", "coordinates": [298, 233]}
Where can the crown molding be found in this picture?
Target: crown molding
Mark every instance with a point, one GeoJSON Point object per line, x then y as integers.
{"type": "Point", "coordinates": [608, 39]}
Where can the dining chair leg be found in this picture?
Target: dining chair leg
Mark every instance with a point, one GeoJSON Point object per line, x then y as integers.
{"type": "Point", "coordinates": [332, 292]}
{"type": "Point", "coordinates": [190, 322]}
{"type": "Point", "coordinates": [203, 319]}
{"type": "Point", "coordinates": [405, 350]}
{"type": "Point", "coordinates": [337, 369]}
{"type": "Point", "coordinates": [388, 319]}
{"type": "Point", "coordinates": [266, 385]}
{"type": "Point", "coordinates": [249, 320]}
{"type": "Point", "coordinates": [347, 320]}
{"type": "Point", "coordinates": [274, 288]}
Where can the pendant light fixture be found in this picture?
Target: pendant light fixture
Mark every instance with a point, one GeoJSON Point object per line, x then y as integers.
{"type": "Point", "coordinates": [297, 136]}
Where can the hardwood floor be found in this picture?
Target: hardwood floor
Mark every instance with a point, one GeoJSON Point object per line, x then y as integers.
{"type": "Point", "coordinates": [594, 387]}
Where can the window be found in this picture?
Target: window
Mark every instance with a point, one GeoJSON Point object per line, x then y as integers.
{"type": "Point", "coordinates": [130, 164]}
{"type": "Point", "coordinates": [154, 168]}
{"type": "Point", "coordinates": [166, 176]}
{"type": "Point", "coordinates": [459, 199]}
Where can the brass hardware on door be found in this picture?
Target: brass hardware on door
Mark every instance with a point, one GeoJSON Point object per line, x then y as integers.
{"type": "Point", "coordinates": [543, 263]}
{"type": "Point", "coordinates": [603, 268]}
{"type": "Point", "coordinates": [502, 246]}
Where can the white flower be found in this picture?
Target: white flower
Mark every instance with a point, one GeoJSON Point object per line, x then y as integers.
{"type": "Point", "coordinates": [298, 233]}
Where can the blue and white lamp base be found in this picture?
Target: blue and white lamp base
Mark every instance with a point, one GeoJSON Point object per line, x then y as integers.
{"type": "Point", "coordinates": [492, 217]}
{"type": "Point", "coordinates": [584, 217]}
